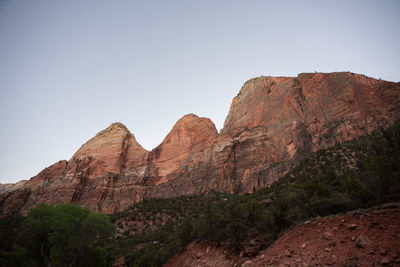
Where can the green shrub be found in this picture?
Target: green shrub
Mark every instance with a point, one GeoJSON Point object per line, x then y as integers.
{"type": "Point", "coordinates": [62, 235]}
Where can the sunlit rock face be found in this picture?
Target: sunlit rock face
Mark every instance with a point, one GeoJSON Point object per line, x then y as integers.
{"type": "Point", "coordinates": [110, 151]}
{"type": "Point", "coordinates": [278, 121]}
{"type": "Point", "coordinates": [273, 123]}
{"type": "Point", "coordinates": [188, 143]}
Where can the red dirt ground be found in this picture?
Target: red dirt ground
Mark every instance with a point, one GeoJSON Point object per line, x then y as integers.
{"type": "Point", "coordinates": [368, 238]}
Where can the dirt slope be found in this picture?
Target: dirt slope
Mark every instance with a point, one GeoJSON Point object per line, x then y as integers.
{"type": "Point", "coordinates": [369, 238]}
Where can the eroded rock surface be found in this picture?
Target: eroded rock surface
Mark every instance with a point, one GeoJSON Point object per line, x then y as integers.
{"type": "Point", "coordinates": [273, 123]}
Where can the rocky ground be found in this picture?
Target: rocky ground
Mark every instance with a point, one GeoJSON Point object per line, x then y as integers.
{"type": "Point", "coordinates": [361, 238]}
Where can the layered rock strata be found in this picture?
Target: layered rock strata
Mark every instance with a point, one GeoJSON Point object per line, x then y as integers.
{"type": "Point", "coordinates": [273, 123]}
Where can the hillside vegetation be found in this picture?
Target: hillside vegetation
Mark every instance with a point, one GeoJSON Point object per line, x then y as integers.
{"type": "Point", "coordinates": [356, 174]}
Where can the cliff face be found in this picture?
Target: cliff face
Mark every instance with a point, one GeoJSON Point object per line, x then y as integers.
{"type": "Point", "coordinates": [278, 121]}
{"type": "Point", "coordinates": [273, 123]}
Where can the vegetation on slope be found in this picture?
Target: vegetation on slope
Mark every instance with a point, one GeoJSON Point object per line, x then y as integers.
{"type": "Point", "coordinates": [355, 174]}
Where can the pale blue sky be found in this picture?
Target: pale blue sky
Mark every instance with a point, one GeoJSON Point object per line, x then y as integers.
{"type": "Point", "coordinates": [68, 69]}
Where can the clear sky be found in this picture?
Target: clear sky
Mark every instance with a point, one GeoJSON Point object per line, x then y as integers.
{"type": "Point", "coordinates": [68, 69]}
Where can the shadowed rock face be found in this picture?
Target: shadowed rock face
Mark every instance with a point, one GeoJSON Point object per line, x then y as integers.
{"type": "Point", "coordinates": [273, 123]}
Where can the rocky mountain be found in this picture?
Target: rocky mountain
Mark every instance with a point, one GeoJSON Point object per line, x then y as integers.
{"type": "Point", "coordinates": [273, 123]}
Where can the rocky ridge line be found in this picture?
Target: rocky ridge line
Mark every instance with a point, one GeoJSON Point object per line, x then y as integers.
{"type": "Point", "coordinates": [273, 123]}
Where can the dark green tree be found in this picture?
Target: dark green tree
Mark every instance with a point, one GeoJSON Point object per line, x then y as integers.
{"type": "Point", "coordinates": [66, 235]}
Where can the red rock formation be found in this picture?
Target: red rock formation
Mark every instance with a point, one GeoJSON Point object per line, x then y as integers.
{"type": "Point", "coordinates": [278, 121]}
{"type": "Point", "coordinates": [110, 151]}
{"type": "Point", "coordinates": [188, 142]}
{"type": "Point", "coordinates": [273, 123]}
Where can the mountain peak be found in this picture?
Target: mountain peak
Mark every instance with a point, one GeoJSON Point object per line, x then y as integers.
{"type": "Point", "coordinates": [189, 116]}
{"type": "Point", "coordinates": [192, 119]}
{"type": "Point", "coordinates": [116, 127]}
{"type": "Point", "coordinates": [194, 123]}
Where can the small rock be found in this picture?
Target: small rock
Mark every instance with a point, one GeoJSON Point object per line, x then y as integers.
{"type": "Point", "coordinates": [303, 246]}
{"type": "Point", "coordinates": [247, 263]}
{"type": "Point", "coordinates": [262, 256]}
{"type": "Point", "coordinates": [362, 241]}
{"type": "Point", "coordinates": [327, 249]}
{"type": "Point", "coordinates": [198, 255]}
{"type": "Point", "coordinates": [288, 253]}
{"type": "Point", "coordinates": [329, 262]}
{"type": "Point", "coordinates": [327, 235]}
{"type": "Point", "coordinates": [266, 201]}
{"type": "Point", "coordinates": [352, 226]}
{"type": "Point", "coordinates": [385, 261]}
{"type": "Point", "coordinates": [383, 252]}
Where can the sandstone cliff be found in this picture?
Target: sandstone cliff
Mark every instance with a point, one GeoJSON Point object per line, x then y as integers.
{"type": "Point", "coordinates": [273, 123]}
